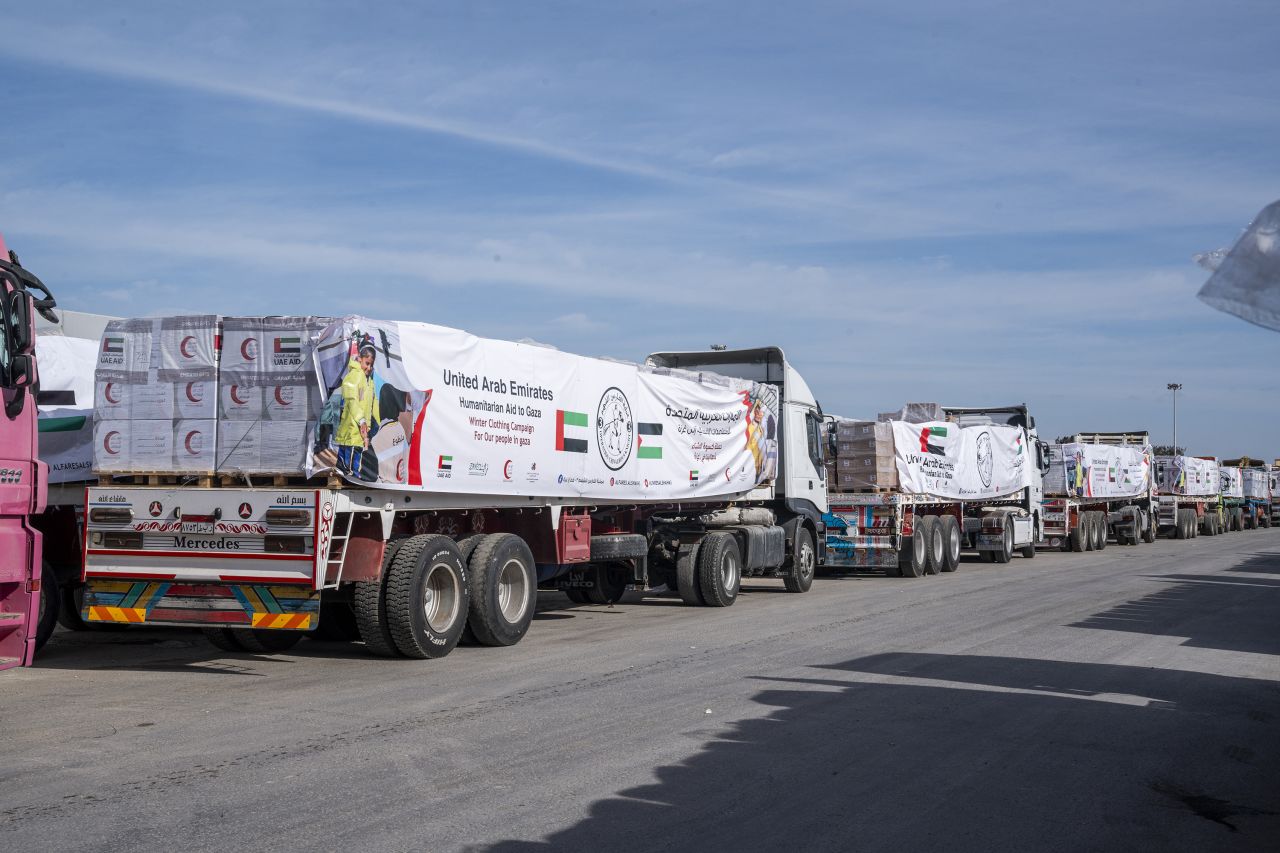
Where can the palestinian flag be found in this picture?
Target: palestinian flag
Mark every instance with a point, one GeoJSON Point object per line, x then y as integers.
{"type": "Point", "coordinates": [930, 440]}
{"type": "Point", "coordinates": [648, 438]}
{"type": "Point", "coordinates": [288, 346]}
{"type": "Point", "coordinates": [566, 421]}
{"type": "Point", "coordinates": [113, 345]}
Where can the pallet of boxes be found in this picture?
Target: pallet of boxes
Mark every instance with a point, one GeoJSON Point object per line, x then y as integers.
{"type": "Point", "coordinates": [865, 460]}
{"type": "Point", "coordinates": [194, 398]}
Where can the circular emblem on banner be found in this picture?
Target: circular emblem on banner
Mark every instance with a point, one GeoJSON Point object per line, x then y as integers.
{"type": "Point", "coordinates": [615, 431]}
{"type": "Point", "coordinates": [985, 460]}
{"type": "Point", "coordinates": [155, 509]}
{"type": "Point", "coordinates": [245, 510]}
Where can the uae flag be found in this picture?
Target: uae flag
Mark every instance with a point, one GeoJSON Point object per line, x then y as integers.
{"type": "Point", "coordinates": [568, 437]}
{"type": "Point", "coordinates": [931, 440]}
{"type": "Point", "coordinates": [693, 476]}
{"type": "Point", "coordinates": [288, 346]}
{"type": "Point", "coordinates": [113, 345]}
{"type": "Point", "coordinates": [648, 441]}
{"type": "Point", "coordinates": [445, 463]}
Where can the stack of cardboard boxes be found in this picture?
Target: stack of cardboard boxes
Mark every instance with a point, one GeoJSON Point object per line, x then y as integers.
{"type": "Point", "coordinates": [864, 457]}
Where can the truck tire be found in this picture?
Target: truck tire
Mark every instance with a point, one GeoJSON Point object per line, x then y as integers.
{"type": "Point", "coordinates": [466, 547]}
{"type": "Point", "coordinates": [1028, 552]}
{"type": "Point", "coordinates": [1148, 528]}
{"type": "Point", "coordinates": [719, 569]}
{"type": "Point", "coordinates": [50, 602]}
{"type": "Point", "coordinates": [611, 580]}
{"type": "Point", "coordinates": [618, 546]}
{"type": "Point", "coordinates": [504, 590]}
{"type": "Point", "coordinates": [804, 563]}
{"type": "Point", "coordinates": [1102, 530]}
{"type": "Point", "coordinates": [1005, 552]}
{"type": "Point", "coordinates": [913, 560]}
{"type": "Point", "coordinates": [1078, 538]}
{"type": "Point", "coordinates": [951, 543]}
{"type": "Point", "coordinates": [369, 604]}
{"type": "Point", "coordinates": [426, 596]}
{"type": "Point", "coordinates": [1181, 528]}
{"type": "Point", "coordinates": [1210, 525]}
{"type": "Point", "coordinates": [265, 641]}
{"type": "Point", "coordinates": [1088, 535]}
{"type": "Point", "coordinates": [577, 595]}
{"type": "Point", "coordinates": [933, 538]}
{"type": "Point", "coordinates": [222, 638]}
{"type": "Point", "coordinates": [687, 575]}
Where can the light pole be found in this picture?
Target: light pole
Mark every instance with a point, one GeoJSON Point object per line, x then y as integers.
{"type": "Point", "coordinates": [1175, 387]}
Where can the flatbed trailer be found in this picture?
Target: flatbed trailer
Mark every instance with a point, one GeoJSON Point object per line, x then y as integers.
{"type": "Point", "coordinates": [1253, 506]}
{"type": "Point", "coordinates": [1087, 523]}
{"type": "Point", "coordinates": [913, 535]}
{"type": "Point", "coordinates": [1183, 516]}
{"type": "Point", "coordinates": [407, 571]}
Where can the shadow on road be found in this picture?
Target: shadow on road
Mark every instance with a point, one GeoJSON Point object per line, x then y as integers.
{"type": "Point", "coordinates": [902, 752]}
{"type": "Point", "coordinates": [1267, 564]}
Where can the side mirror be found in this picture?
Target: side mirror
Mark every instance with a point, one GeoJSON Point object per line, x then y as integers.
{"type": "Point", "coordinates": [18, 315]}
{"type": "Point", "coordinates": [22, 371]}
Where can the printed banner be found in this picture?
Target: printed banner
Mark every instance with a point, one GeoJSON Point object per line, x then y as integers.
{"type": "Point", "coordinates": [1190, 476]}
{"type": "Point", "coordinates": [1098, 471]}
{"type": "Point", "coordinates": [949, 461]}
{"type": "Point", "coordinates": [1257, 483]}
{"type": "Point", "coordinates": [416, 406]}
{"type": "Point", "coordinates": [1232, 482]}
{"type": "Point", "coordinates": [66, 421]}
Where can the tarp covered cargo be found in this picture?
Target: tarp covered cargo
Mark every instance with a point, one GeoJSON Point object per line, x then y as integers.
{"type": "Point", "coordinates": [1232, 481]}
{"type": "Point", "coordinates": [462, 414]}
{"type": "Point", "coordinates": [1086, 470]}
{"type": "Point", "coordinates": [1257, 483]}
{"type": "Point", "coordinates": [66, 407]}
{"type": "Point", "coordinates": [947, 460]}
{"type": "Point", "coordinates": [1189, 475]}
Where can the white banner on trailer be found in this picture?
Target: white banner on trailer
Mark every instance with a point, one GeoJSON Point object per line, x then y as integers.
{"type": "Point", "coordinates": [1257, 483]}
{"type": "Point", "coordinates": [458, 413]}
{"type": "Point", "coordinates": [966, 463]}
{"type": "Point", "coordinates": [1232, 482]}
{"type": "Point", "coordinates": [66, 425]}
{"type": "Point", "coordinates": [1190, 476]}
{"type": "Point", "coordinates": [1098, 471]}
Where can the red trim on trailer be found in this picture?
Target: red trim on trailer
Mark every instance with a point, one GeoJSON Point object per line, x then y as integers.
{"type": "Point", "coordinates": [152, 576]}
{"type": "Point", "coordinates": [260, 579]}
{"type": "Point", "coordinates": [315, 543]}
{"type": "Point", "coordinates": [205, 556]}
{"type": "Point", "coordinates": [216, 617]}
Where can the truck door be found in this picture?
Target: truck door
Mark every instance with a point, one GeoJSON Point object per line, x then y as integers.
{"type": "Point", "coordinates": [805, 464]}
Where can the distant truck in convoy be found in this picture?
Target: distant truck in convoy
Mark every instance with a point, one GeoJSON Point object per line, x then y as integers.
{"type": "Point", "coordinates": [975, 482]}
{"type": "Point", "coordinates": [1246, 493]}
{"type": "Point", "coordinates": [498, 469]}
{"type": "Point", "coordinates": [1100, 484]}
{"type": "Point", "coordinates": [23, 477]}
{"type": "Point", "coordinates": [1189, 496]}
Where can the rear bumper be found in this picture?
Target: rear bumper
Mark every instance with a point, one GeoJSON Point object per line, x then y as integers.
{"type": "Point", "coordinates": [158, 602]}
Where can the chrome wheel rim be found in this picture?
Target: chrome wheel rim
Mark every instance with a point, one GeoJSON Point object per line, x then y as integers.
{"type": "Point", "coordinates": [729, 572]}
{"type": "Point", "coordinates": [807, 560]}
{"type": "Point", "coordinates": [513, 591]}
{"type": "Point", "coordinates": [441, 598]}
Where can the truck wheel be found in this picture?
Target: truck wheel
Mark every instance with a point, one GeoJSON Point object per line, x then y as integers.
{"type": "Point", "coordinates": [1087, 535]}
{"type": "Point", "coordinates": [951, 543]}
{"type": "Point", "coordinates": [1102, 530]}
{"type": "Point", "coordinates": [370, 606]}
{"type": "Point", "coordinates": [687, 575]}
{"type": "Point", "coordinates": [1028, 552]}
{"type": "Point", "coordinates": [50, 599]}
{"type": "Point", "coordinates": [1210, 525]}
{"type": "Point", "coordinates": [576, 594]}
{"type": "Point", "coordinates": [466, 547]}
{"type": "Point", "coordinates": [1183, 530]}
{"type": "Point", "coordinates": [804, 562]}
{"type": "Point", "coordinates": [265, 641]}
{"type": "Point", "coordinates": [1005, 552]}
{"type": "Point", "coordinates": [504, 590]}
{"type": "Point", "coordinates": [426, 596]}
{"type": "Point", "coordinates": [222, 638]}
{"type": "Point", "coordinates": [1078, 538]}
{"type": "Point", "coordinates": [611, 583]}
{"type": "Point", "coordinates": [914, 558]}
{"type": "Point", "coordinates": [1148, 529]}
{"type": "Point", "coordinates": [933, 538]}
{"type": "Point", "coordinates": [719, 569]}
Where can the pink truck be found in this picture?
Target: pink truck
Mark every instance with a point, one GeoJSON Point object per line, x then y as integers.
{"type": "Point", "coordinates": [23, 477]}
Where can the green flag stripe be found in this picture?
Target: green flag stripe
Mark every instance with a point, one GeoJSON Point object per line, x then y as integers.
{"type": "Point", "coordinates": [649, 452]}
{"type": "Point", "coordinates": [573, 418]}
{"type": "Point", "coordinates": [68, 424]}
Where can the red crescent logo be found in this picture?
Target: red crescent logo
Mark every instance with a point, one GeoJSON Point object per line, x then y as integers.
{"type": "Point", "coordinates": [106, 393]}
{"type": "Point", "coordinates": [194, 437]}
{"type": "Point", "coordinates": [506, 470]}
{"type": "Point", "coordinates": [249, 349]}
{"type": "Point", "coordinates": [182, 347]}
{"type": "Point", "coordinates": [109, 440]}
{"type": "Point", "coordinates": [280, 389]}
{"type": "Point", "coordinates": [235, 398]}
{"type": "Point", "coordinates": [191, 392]}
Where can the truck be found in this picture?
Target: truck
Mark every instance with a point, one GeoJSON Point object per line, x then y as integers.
{"type": "Point", "coordinates": [507, 468]}
{"type": "Point", "coordinates": [1246, 493]}
{"type": "Point", "coordinates": [23, 477]}
{"type": "Point", "coordinates": [921, 526]}
{"type": "Point", "coordinates": [1189, 497]}
{"type": "Point", "coordinates": [1099, 485]}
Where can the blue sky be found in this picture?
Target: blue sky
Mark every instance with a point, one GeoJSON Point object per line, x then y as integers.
{"type": "Point", "coordinates": [969, 203]}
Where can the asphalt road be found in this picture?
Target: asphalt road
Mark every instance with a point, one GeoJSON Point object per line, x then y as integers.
{"type": "Point", "coordinates": [1122, 700]}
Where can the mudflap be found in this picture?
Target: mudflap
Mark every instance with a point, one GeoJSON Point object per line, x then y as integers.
{"type": "Point", "coordinates": [280, 606]}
